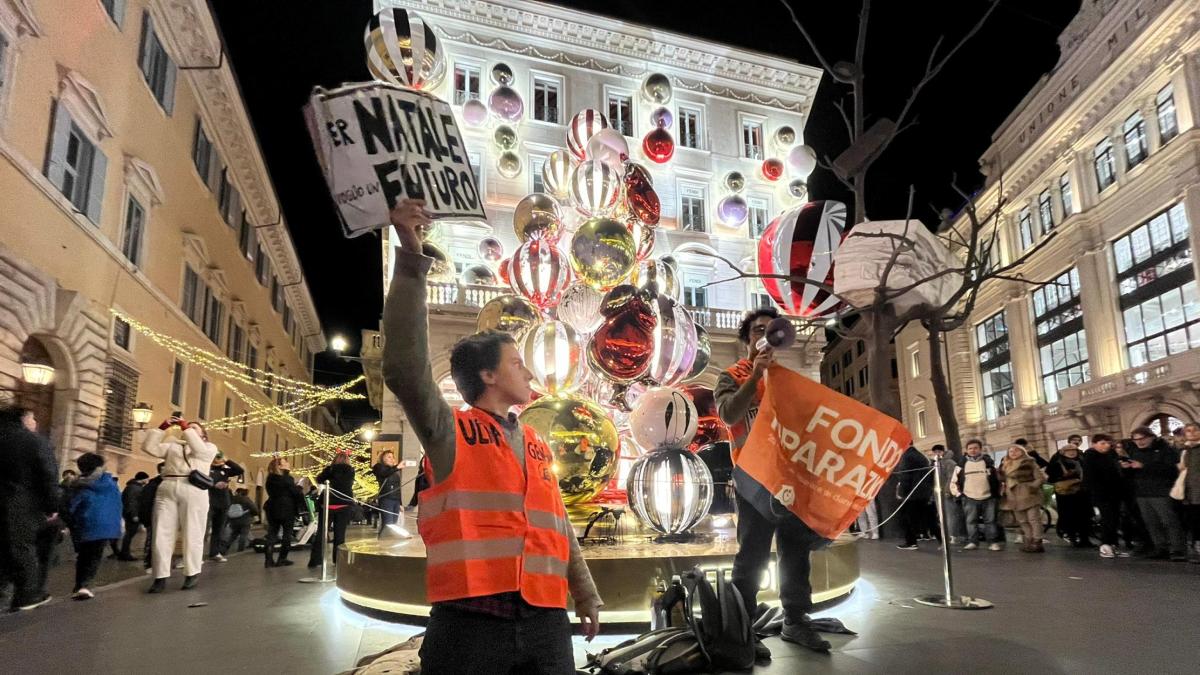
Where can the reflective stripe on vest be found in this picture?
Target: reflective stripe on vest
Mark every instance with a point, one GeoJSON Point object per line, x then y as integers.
{"type": "Point", "coordinates": [740, 372]}
{"type": "Point", "coordinates": [490, 527]}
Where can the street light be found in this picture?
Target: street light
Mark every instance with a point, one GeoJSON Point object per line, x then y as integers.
{"type": "Point", "coordinates": [368, 433]}
{"type": "Point", "coordinates": [39, 374]}
{"type": "Point", "coordinates": [338, 344]}
{"type": "Point", "coordinates": [142, 412]}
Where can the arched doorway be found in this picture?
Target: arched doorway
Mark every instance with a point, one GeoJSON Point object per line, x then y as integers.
{"type": "Point", "coordinates": [1163, 424]}
{"type": "Point", "coordinates": [37, 397]}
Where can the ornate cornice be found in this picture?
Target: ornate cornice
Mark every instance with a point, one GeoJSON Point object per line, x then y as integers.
{"type": "Point", "coordinates": [622, 42]}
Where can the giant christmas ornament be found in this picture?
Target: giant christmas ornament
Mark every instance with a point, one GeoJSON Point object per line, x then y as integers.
{"type": "Point", "coordinates": [785, 136]}
{"type": "Point", "coordinates": [504, 271]}
{"type": "Point", "coordinates": [709, 427]}
{"type": "Point", "coordinates": [583, 440]}
{"type": "Point", "coordinates": [674, 343]}
{"type": "Point", "coordinates": [640, 197]}
{"type": "Point", "coordinates": [703, 353]}
{"type": "Point", "coordinates": [502, 74]}
{"type": "Point", "coordinates": [602, 253]}
{"type": "Point", "coordinates": [623, 345]}
{"type": "Point", "coordinates": [735, 182]}
{"type": "Point", "coordinates": [663, 417]}
{"type": "Point", "coordinates": [801, 243]}
{"type": "Point", "coordinates": [582, 127]}
{"type": "Point", "coordinates": [474, 112]}
{"type": "Point", "coordinates": [551, 352]}
{"type": "Point", "coordinates": [658, 146]}
{"type": "Point", "coordinates": [478, 275]}
{"type": "Point", "coordinates": [595, 188]}
{"type": "Point", "coordinates": [661, 118]}
{"type": "Point", "coordinates": [539, 272]}
{"type": "Point", "coordinates": [508, 164]}
{"type": "Point", "coordinates": [656, 276]}
{"type": "Point", "coordinates": [670, 491]}
{"type": "Point", "coordinates": [505, 137]}
{"type": "Point", "coordinates": [537, 216]}
{"type": "Point", "coordinates": [491, 250]}
{"type": "Point", "coordinates": [657, 89]}
{"type": "Point", "coordinates": [441, 269]}
{"type": "Point", "coordinates": [580, 307]}
{"type": "Point", "coordinates": [609, 147]}
{"type": "Point", "coordinates": [732, 210]}
{"type": "Point", "coordinates": [507, 313]}
{"type": "Point", "coordinates": [506, 104]}
{"type": "Point", "coordinates": [772, 169]}
{"type": "Point", "coordinates": [802, 160]}
{"type": "Point", "coordinates": [556, 174]}
{"type": "Point", "coordinates": [402, 49]}
{"type": "Point", "coordinates": [798, 188]}
{"type": "Point", "coordinates": [643, 238]}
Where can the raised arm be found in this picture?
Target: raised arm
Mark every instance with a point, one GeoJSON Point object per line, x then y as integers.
{"type": "Point", "coordinates": [153, 444]}
{"type": "Point", "coordinates": [406, 365]}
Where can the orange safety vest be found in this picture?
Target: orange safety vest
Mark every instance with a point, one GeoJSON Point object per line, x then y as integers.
{"type": "Point", "coordinates": [491, 528]}
{"type": "Point", "coordinates": [740, 372]}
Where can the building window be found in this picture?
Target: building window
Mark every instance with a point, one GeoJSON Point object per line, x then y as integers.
{"type": "Point", "coordinates": [835, 369]}
{"type": "Point", "coordinates": [1157, 287]}
{"type": "Point", "coordinates": [914, 363]}
{"type": "Point", "coordinates": [1135, 139]}
{"type": "Point", "coordinates": [691, 208]}
{"type": "Point", "coordinates": [690, 127]}
{"type": "Point", "coordinates": [695, 295]}
{"type": "Point", "coordinates": [75, 165]}
{"type": "Point", "coordinates": [228, 407]}
{"type": "Point", "coordinates": [120, 389]}
{"type": "Point", "coordinates": [921, 421]}
{"type": "Point", "coordinates": [203, 154]}
{"type": "Point", "coordinates": [1064, 194]}
{"type": "Point", "coordinates": [252, 359]}
{"type": "Point", "coordinates": [860, 348]}
{"type": "Point", "coordinates": [276, 295]}
{"type": "Point", "coordinates": [236, 347]}
{"type": "Point", "coordinates": [761, 300]}
{"type": "Point", "coordinates": [177, 376]}
{"type": "Point", "coordinates": [995, 366]}
{"type": "Point", "coordinates": [246, 237]}
{"type": "Point", "coordinates": [849, 387]}
{"type": "Point", "coordinates": [752, 139]}
{"type": "Point", "coordinates": [758, 217]}
{"type": "Point", "coordinates": [156, 66]}
{"type": "Point", "coordinates": [262, 266]}
{"type": "Point", "coordinates": [202, 407]}
{"type": "Point", "coordinates": [1061, 339]}
{"type": "Point", "coordinates": [115, 10]}
{"type": "Point", "coordinates": [847, 359]}
{"type": "Point", "coordinates": [620, 113]}
{"type": "Point", "coordinates": [466, 83]}
{"type": "Point", "coordinates": [3, 63]}
{"type": "Point", "coordinates": [214, 317]}
{"type": "Point", "coordinates": [1045, 211]}
{"type": "Point", "coordinates": [1106, 172]}
{"type": "Point", "coordinates": [133, 232]}
{"type": "Point", "coordinates": [536, 162]}
{"type": "Point", "coordinates": [121, 333]}
{"type": "Point", "coordinates": [862, 377]}
{"type": "Point", "coordinates": [245, 433]}
{"type": "Point", "coordinates": [229, 201]}
{"type": "Point", "coordinates": [191, 304]}
{"type": "Point", "coordinates": [1164, 107]}
{"type": "Point", "coordinates": [268, 381]}
{"type": "Point", "coordinates": [545, 100]}
{"type": "Point", "coordinates": [1025, 227]}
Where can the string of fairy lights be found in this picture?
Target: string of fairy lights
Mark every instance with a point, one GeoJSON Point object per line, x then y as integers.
{"type": "Point", "coordinates": [299, 396]}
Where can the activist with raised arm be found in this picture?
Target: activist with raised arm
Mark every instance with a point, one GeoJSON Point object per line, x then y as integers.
{"type": "Point", "coordinates": [739, 393]}
{"type": "Point", "coordinates": [501, 554]}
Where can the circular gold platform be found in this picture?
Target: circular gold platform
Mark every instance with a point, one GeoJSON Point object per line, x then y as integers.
{"type": "Point", "coordinates": [389, 575]}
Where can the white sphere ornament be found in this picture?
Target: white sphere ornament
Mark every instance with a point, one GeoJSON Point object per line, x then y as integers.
{"type": "Point", "coordinates": [556, 174]}
{"type": "Point", "coordinates": [551, 352]}
{"type": "Point", "coordinates": [595, 188]}
{"type": "Point", "coordinates": [609, 146]}
{"type": "Point", "coordinates": [670, 491]}
{"type": "Point", "coordinates": [508, 164]}
{"type": "Point", "coordinates": [580, 307]}
{"type": "Point", "coordinates": [664, 417]}
{"type": "Point", "coordinates": [474, 113]}
{"type": "Point", "coordinates": [802, 159]}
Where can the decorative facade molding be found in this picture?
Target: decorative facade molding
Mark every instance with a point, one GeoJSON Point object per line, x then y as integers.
{"type": "Point", "coordinates": [18, 13]}
{"type": "Point", "coordinates": [81, 98]}
{"type": "Point", "coordinates": [142, 178]}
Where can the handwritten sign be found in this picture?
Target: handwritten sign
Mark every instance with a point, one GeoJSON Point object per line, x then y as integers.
{"type": "Point", "coordinates": [378, 143]}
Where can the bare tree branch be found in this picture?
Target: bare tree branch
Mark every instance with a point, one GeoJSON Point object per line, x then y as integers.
{"type": "Point", "coordinates": [811, 44]}
{"type": "Point", "coordinates": [845, 118]}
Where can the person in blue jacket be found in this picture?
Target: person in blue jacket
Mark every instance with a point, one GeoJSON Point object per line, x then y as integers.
{"type": "Point", "coordinates": [95, 519]}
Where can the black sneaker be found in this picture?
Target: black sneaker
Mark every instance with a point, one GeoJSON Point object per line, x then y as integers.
{"type": "Point", "coordinates": [158, 586]}
{"type": "Point", "coordinates": [803, 635]}
{"type": "Point", "coordinates": [34, 605]}
{"type": "Point", "coordinates": [908, 547]}
{"type": "Point", "coordinates": [285, 563]}
{"type": "Point", "coordinates": [190, 582]}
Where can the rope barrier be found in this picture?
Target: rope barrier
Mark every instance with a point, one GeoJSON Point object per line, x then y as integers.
{"type": "Point", "coordinates": [928, 473]}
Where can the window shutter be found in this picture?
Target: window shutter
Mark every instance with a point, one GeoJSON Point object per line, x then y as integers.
{"type": "Point", "coordinates": [60, 132]}
{"type": "Point", "coordinates": [96, 188]}
{"type": "Point", "coordinates": [168, 101]}
{"type": "Point", "coordinates": [118, 12]}
{"type": "Point", "coordinates": [143, 51]}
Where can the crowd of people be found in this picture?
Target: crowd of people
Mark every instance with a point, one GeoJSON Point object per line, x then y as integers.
{"type": "Point", "coordinates": [1133, 496]}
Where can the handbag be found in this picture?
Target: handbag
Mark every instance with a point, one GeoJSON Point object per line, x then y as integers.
{"type": "Point", "coordinates": [1069, 486]}
{"type": "Point", "coordinates": [1178, 491]}
{"type": "Point", "coordinates": [197, 478]}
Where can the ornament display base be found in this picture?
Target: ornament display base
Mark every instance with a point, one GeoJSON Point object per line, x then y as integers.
{"type": "Point", "coordinates": [388, 576]}
{"type": "Point", "coordinates": [959, 602]}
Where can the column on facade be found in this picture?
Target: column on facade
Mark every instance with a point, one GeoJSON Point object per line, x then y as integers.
{"type": "Point", "coordinates": [1191, 207]}
{"type": "Point", "coordinates": [1187, 83]}
{"type": "Point", "coordinates": [1149, 111]}
{"type": "Point", "coordinates": [963, 372]}
{"type": "Point", "coordinates": [1023, 352]}
{"type": "Point", "coordinates": [1101, 316]}
{"type": "Point", "coordinates": [1116, 136]}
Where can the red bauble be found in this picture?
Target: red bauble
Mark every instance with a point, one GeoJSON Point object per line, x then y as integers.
{"type": "Point", "coordinates": [640, 197]}
{"type": "Point", "coordinates": [800, 243]}
{"type": "Point", "coordinates": [503, 271]}
{"type": "Point", "coordinates": [623, 346]}
{"type": "Point", "coordinates": [658, 146]}
{"type": "Point", "coordinates": [772, 169]}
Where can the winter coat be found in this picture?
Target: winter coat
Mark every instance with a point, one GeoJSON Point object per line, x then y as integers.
{"type": "Point", "coordinates": [389, 480]}
{"type": "Point", "coordinates": [1160, 469]}
{"type": "Point", "coordinates": [1191, 484]}
{"type": "Point", "coordinates": [1066, 474]}
{"type": "Point", "coordinates": [220, 499]}
{"type": "Point", "coordinates": [145, 503]}
{"type": "Point", "coordinates": [130, 498]}
{"type": "Point", "coordinates": [249, 509]}
{"type": "Point", "coordinates": [28, 475]}
{"type": "Point", "coordinates": [1102, 475]}
{"type": "Point", "coordinates": [958, 481]}
{"type": "Point", "coordinates": [341, 479]}
{"type": "Point", "coordinates": [284, 498]}
{"type": "Point", "coordinates": [910, 476]}
{"type": "Point", "coordinates": [1022, 484]}
{"type": "Point", "coordinates": [95, 507]}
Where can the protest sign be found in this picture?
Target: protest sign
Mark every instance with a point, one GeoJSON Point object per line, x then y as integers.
{"type": "Point", "coordinates": [378, 143]}
{"type": "Point", "coordinates": [820, 454]}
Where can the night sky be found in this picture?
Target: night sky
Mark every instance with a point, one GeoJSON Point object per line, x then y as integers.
{"type": "Point", "coordinates": [281, 50]}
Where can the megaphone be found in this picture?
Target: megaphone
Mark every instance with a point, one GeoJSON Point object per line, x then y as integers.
{"type": "Point", "coordinates": [781, 334]}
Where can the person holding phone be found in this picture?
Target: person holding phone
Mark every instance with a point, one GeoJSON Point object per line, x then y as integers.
{"type": "Point", "coordinates": [181, 502]}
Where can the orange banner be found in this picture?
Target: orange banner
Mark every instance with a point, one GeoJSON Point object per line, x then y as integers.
{"type": "Point", "coordinates": [822, 455]}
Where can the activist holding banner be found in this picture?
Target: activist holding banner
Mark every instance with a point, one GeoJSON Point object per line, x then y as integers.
{"type": "Point", "coordinates": [807, 462]}
{"type": "Point", "coordinates": [501, 554]}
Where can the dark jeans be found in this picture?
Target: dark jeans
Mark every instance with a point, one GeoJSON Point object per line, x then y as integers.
{"type": "Point", "coordinates": [1074, 516]}
{"type": "Point", "coordinates": [280, 531]}
{"type": "Point", "coordinates": [912, 518]}
{"type": "Point", "coordinates": [340, 518]}
{"type": "Point", "coordinates": [239, 529]}
{"type": "Point", "coordinates": [457, 642]}
{"type": "Point", "coordinates": [131, 529]}
{"type": "Point", "coordinates": [148, 547]}
{"type": "Point", "coordinates": [981, 520]}
{"type": "Point", "coordinates": [1193, 516]}
{"type": "Point", "coordinates": [88, 556]}
{"type": "Point", "coordinates": [217, 518]}
{"type": "Point", "coordinates": [19, 556]}
{"type": "Point", "coordinates": [1110, 518]}
{"type": "Point", "coordinates": [1163, 524]}
{"type": "Point", "coordinates": [794, 542]}
{"type": "Point", "coordinates": [389, 507]}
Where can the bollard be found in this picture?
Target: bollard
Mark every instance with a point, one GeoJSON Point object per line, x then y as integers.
{"type": "Point", "coordinates": [948, 599]}
{"type": "Point", "coordinates": [325, 577]}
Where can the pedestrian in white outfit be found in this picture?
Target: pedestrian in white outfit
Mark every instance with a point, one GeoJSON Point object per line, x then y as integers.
{"type": "Point", "coordinates": [179, 505]}
{"type": "Point", "coordinates": [868, 521]}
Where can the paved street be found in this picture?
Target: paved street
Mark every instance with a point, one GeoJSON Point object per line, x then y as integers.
{"type": "Point", "coordinates": [1066, 611]}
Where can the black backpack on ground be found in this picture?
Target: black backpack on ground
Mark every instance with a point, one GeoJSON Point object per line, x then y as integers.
{"type": "Point", "coordinates": [721, 638]}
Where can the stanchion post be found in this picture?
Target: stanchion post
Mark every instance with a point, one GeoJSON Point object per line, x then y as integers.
{"type": "Point", "coordinates": [948, 600]}
{"type": "Point", "coordinates": [324, 535]}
